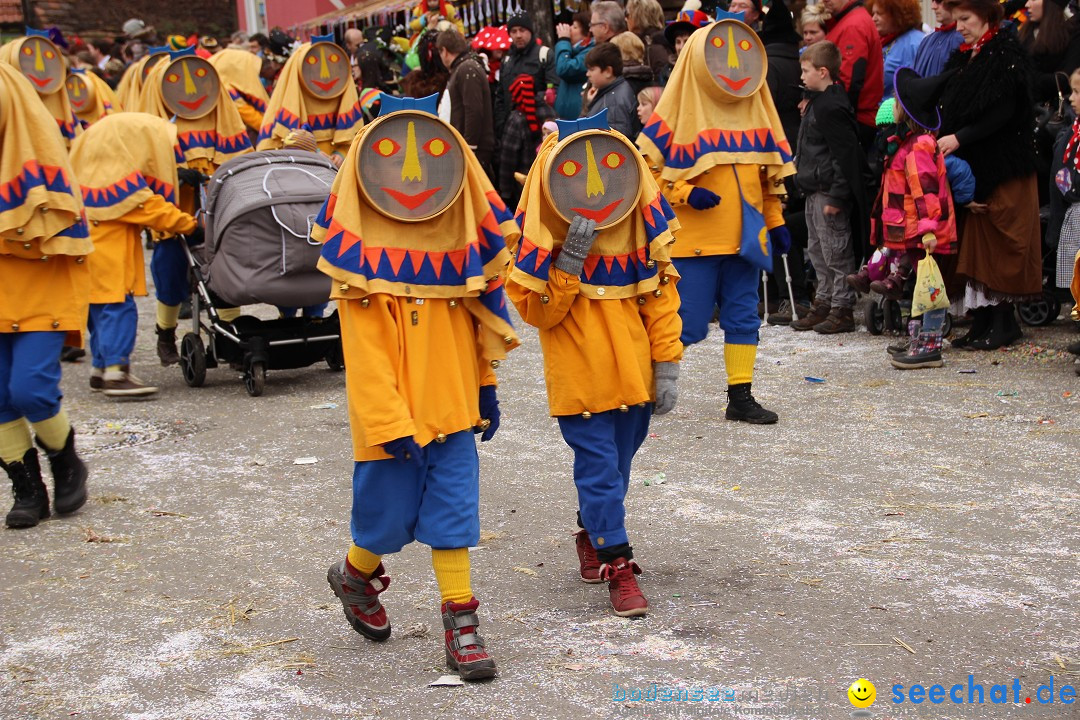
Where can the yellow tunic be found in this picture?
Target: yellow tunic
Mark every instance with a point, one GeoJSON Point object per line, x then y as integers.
{"type": "Point", "coordinates": [116, 265]}
{"type": "Point", "coordinates": [717, 231]}
{"type": "Point", "coordinates": [413, 367]}
{"type": "Point", "coordinates": [252, 118]}
{"type": "Point", "coordinates": [599, 354]}
{"type": "Point", "coordinates": [43, 293]}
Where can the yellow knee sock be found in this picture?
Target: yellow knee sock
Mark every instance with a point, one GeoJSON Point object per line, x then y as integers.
{"type": "Point", "coordinates": [14, 440]}
{"type": "Point", "coordinates": [739, 360]}
{"type": "Point", "coordinates": [228, 314]}
{"type": "Point", "coordinates": [453, 573]}
{"type": "Point", "coordinates": [53, 433]}
{"type": "Point", "coordinates": [167, 315]}
{"type": "Point", "coordinates": [363, 560]}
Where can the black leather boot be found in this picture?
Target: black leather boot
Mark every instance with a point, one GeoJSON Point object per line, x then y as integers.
{"type": "Point", "coordinates": [742, 406]}
{"type": "Point", "coordinates": [981, 321]}
{"type": "Point", "coordinates": [1004, 329]}
{"type": "Point", "coordinates": [69, 476]}
{"type": "Point", "coordinates": [166, 346]}
{"type": "Point", "coordinates": [31, 497]}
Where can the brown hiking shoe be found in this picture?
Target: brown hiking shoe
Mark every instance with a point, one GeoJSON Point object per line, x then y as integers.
{"type": "Point", "coordinates": [97, 380]}
{"type": "Point", "coordinates": [590, 564]}
{"type": "Point", "coordinates": [840, 320]}
{"type": "Point", "coordinates": [166, 346]}
{"type": "Point", "coordinates": [817, 314]}
{"type": "Point", "coordinates": [121, 383]}
{"type": "Point", "coordinates": [465, 651]}
{"type": "Point", "coordinates": [359, 597]}
{"type": "Point", "coordinates": [627, 600]}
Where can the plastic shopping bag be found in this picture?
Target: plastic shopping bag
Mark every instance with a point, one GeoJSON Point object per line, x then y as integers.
{"type": "Point", "coordinates": [929, 288]}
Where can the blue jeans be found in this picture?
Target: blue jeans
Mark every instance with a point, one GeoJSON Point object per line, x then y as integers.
{"type": "Point", "coordinates": [438, 504]}
{"type": "Point", "coordinates": [604, 446]}
{"type": "Point", "coordinates": [30, 375]}
{"type": "Point", "coordinates": [169, 268]}
{"type": "Point", "coordinates": [112, 332]}
{"type": "Point", "coordinates": [724, 281]}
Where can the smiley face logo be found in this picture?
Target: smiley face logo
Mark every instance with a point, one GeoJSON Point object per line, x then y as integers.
{"type": "Point", "coordinates": [325, 70]}
{"type": "Point", "coordinates": [189, 87]}
{"type": "Point", "coordinates": [862, 693]}
{"type": "Point", "coordinates": [41, 62]}
{"type": "Point", "coordinates": [411, 166]}
{"type": "Point", "coordinates": [593, 174]}
{"type": "Point", "coordinates": [80, 93]}
{"type": "Point", "coordinates": [735, 58]}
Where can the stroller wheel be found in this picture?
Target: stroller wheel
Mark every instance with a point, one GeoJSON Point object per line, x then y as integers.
{"type": "Point", "coordinates": [335, 359]}
{"type": "Point", "coordinates": [873, 316]}
{"type": "Point", "coordinates": [255, 379]}
{"type": "Point", "coordinates": [193, 360]}
{"type": "Point", "coordinates": [1041, 312]}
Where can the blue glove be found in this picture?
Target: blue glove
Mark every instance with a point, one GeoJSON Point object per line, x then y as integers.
{"type": "Point", "coordinates": [781, 240]}
{"type": "Point", "coordinates": [489, 410]}
{"type": "Point", "coordinates": [405, 450]}
{"type": "Point", "coordinates": [702, 199]}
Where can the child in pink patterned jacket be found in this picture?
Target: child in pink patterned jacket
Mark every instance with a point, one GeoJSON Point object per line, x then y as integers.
{"type": "Point", "coordinates": [914, 214]}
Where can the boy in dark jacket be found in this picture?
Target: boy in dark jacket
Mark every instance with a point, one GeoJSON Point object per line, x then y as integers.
{"type": "Point", "coordinates": [829, 164]}
{"type": "Point", "coordinates": [603, 67]}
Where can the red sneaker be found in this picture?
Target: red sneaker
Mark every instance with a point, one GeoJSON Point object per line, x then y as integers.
{"type": "Point", "coordinates": [626, 597]}
{"type": "Point", "coordinates": [360, 598]}
{"type": "Point", "coordinates": [465, 650]}
{"type": "Point", "coordinates": [590, 564]}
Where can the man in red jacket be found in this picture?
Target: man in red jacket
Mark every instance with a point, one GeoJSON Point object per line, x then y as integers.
{"type": "Point", "coordinates": [862, 69]}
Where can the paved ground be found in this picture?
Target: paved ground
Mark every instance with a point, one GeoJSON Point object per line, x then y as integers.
{"type": "Point", "coordinates": [905, 527]}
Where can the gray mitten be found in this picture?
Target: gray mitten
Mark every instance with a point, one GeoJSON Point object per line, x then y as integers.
{"type": "Point", "coordinates": [664, 375]}
{"type": "Point", "coordinates": [579, 239]}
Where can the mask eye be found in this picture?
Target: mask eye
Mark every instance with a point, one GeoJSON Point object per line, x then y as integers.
{"type": "Point", "coordinates": [613, 160]}
{"type": "Point", "coordinates": [49, 54]}
{"type": "Point", "coordinates": [333, 57]}
{"type": "Point", "coordinates": [172, 77]}
{"type": "Point", "coordinates": [745, 45]}
{"type": "Point", "coordinates": [718, 42]}
{"type": "Point", "coordinates": [27, 51]}
{"type": "Point", "coordinates": [386, 147]}
{"type": "Point", "coordinates": [201, 72]}
{"type": "Point", "coordinates": [436, 147]}
{"type": "Point", "coordinates": [310, 60]}
{"type": "Point", "coordinates": [569, 168]}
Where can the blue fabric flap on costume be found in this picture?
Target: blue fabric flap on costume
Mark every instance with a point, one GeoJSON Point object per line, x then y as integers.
{"type": "Point", "coordinates": [723, 15]}
{"type": "Point", "coordinates": [31, 32]}
{"type": "Point", "coordinates": [598, 121]}
{"type": "Point", "coordinates": [157, 50]}
{"type": "Point", "coordinates": [391, 104]}
{"type": "Point", "coordinates": [328, 37]}
{"type": "Point", "coordinates": [188, 51]}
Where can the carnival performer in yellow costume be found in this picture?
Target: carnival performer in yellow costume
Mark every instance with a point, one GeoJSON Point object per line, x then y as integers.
{"type": "Point", "coordinates": [414, 242]}
{"type": "Point", "coordinates": [716, 145]}
{"type": "Point", "coordinates": [314, 91]}
{"type": "Point", "coordinates": [129, 89]}
{"type": "Point", "coordinates": [187, 90]}
{"type": "Point", "coordinates": [126, 164]}
{"type": "Point", "coordinates": [428, 10]}
{"type": "Point", "coordinates": [44, 290]}
{"type": "Point", "coordinates": [239, 70]}
{"type": "Point", "coordinates": [42, 63]}
{"type": "Point", "coordinates": [91, 97]}
{"type": "Point", "coordinates": [605, 302]}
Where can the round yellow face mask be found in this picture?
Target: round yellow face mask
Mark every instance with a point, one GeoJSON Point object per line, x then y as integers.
{"type": "Point", "coordinates": [42, 64]}
{"type": "Point", "coordinates": [593, 174]}
{"type": "Point", "coordinates": [190, 87]}
{"type": "Point", "coordinates": [325, 70]}
{"type": "Point", "coordinates": [411, 166]}
{"type": "Point", "coordinates": [80, 93]}
{"type": "Point", "coordinates": [735, 59]}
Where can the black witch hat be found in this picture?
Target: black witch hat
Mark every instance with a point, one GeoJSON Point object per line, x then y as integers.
{"type": "Point", "coordinates": [919, 96]}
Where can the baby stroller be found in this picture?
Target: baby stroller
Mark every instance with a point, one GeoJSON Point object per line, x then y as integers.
{"type": "Point", "coordinates": [884, 315]}
{"type": "Point", "coordinates": [259, 210]}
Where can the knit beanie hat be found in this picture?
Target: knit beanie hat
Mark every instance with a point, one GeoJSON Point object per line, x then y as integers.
{"type": "Point", "coordinates": [301, 139]}
{"type": "Point", "coordinates": [520, 20]}
{"type": "Point", "coordinates": [523, 93]}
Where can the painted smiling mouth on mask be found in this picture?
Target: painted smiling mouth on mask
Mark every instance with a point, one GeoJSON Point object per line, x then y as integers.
{"type": "Point", "coordinates": [600, 215]}
{"type": "Point", "coordinates": [411, 201]}
{"type": "Point", "coordinates": [39, 82]}
{"type": "Point", "coordinates": [194, 105]}
{"type": "Point", "coordinates": [734, 85]}
{"type": "Point", "coordinates": [325, 86]}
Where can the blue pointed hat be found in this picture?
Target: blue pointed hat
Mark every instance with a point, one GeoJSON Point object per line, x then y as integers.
{"type": "Point", "coordinates": [391, 104]}
{"type": "Point", "coordinates": [598, 121]}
